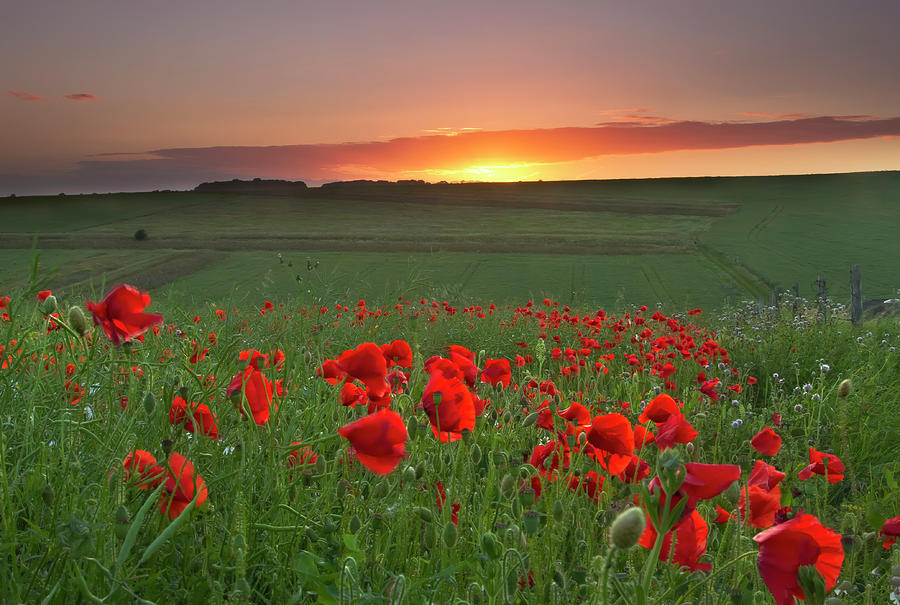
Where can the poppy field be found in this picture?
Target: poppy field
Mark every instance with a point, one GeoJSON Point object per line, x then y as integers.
{"type": "Point", "coordinates": [416, 451]}
{"type": "Point", "coordinates": [682, 242]}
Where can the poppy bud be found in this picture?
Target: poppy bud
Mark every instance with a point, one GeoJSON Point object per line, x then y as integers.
{"type": "Point", "coordinates": [466, 436]}
{"type": "Point", "coordinates": [412, 427]}
{"type": "Point", "coordinates": [409, 474]}
{"type": "Point", "coordinates": [499, 458]}
{"type": "Point", "coordinates": [355, 524]}
{"type": "Point", "coordinates": [183, 391]}
{"type": "Point", "coordinates": [239, 543]}
{"type": "Point", "coordinates": [506, 485]}
{"type": "Point", "coordinates": [49, 305]}
{"type": "Point", "coordinates": [559, 579]}
{"type": "Point", "coordinates": [340, 489]}
{"type": "Point", "coordinates": [492, 546]}
{"type": "Point", "coordinates": [430, 536]}
{"type": "Point", "coordinates": [380, 490]}
{"type": "Point", "coordinates": [450, 534]}
{"type": "Point", "coordinates": [531, 418]}
{"type": "Point", "coordinates": [420, 470]}
{"type": "Point", "coordinates": [47, 495]}
{"type": "Point", "coordinates": [558, 511]}
{"type": "Point", "coordinates": [532, 522]}
{"type": "Point", "coordinates": [475, 454]}
{"type": "Point", "coordinates": [77, 320]}
{"type": "Point", "coordinates": [122, 522]}
{"type": "Point", "coordinates": [844, 388]}
{"type": "Point", "coordinates": [311, 534]}
{"type": "Point", "coordinates": [626, 530]}
{"type": "Point", "coordinates": [424, 514]}
{"type": "Point", "coordinates": [167, 446]}
{"type": "Point", "coordinates": [149, 403]}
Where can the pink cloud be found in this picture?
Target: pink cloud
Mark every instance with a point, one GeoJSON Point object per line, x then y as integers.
{"type": "Point", "coordinates": [23, 96]}
{"type": "Point", "coordinates": [408, 155]}
{"type": "Point", "coordinates": [81, 96]}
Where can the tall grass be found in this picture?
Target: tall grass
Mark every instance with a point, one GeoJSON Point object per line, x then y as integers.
{"type": "Point", "coordinates": [73, 530]}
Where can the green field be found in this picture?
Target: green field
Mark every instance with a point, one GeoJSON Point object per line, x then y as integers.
{"type": "Point", "coordinates": [697, 241]}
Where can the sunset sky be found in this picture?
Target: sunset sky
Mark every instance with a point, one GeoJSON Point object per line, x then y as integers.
{"type": "Point", "coordinates": [126, 96]}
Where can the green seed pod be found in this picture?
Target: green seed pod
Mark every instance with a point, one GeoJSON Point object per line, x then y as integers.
{"type": "Point", "coordinates": [507, 485]}
{"type": "Point", "coordinates": [466, 436]}
{"type": "Point", "coordinates": [845, 388]}
{"type": "Point", "coordinates": [558, 511]}
{"type": "Point", "coordinates": [450, 534]}
{"type": "Point", "coordinates": [340, 489]}
{"type": "Point", "coordinates": [531, 522]}
{"type": "Point", "coordinates": [430, 536]}
{"type": "Point", "coordinates": [311, 534]}
{"type": "Point", "coordinates": [475, 455]}
{"type": "Point", "coordinates": [412, 427]}
{"type": "Point", "coordinates": [424, 514]}
{"type": "Point", "coordinates": [49, 305]}
{"type": "Point", "coordinates": [380, 490]}
{"type": "Point", "coordinates": [500, 458]}
{"type": "Point", "coordinates": [409, 474]}
{"type": "Point", "coordinates": [355, 524]}
{"type": "Point", "coordinates": [492, 546]}
{"type": "Point", "coordinates": [123, 523]}
{"type": "Point", "coordinates": [526, 496]}
{"type": "Point", "coordinates": [239, 543]}
{"type": "Point", "coordinates": [77, 320]}
{"type": "Point", "coordinates": [48, 495]}
{"type": "Point", "coordinates": [149, 403]}
{"type": "Point", "coordinates": [531, 418]}
{"type": "Point", "coordinates": [626, 530]}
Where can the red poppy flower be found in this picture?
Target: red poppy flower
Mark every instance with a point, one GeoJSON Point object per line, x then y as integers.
{"type": "Point", "coordinates": [257, 390]}
{"type": "Point", "coordinates": [43, 294]}
{"type": "Point", "coordinates": [378, 440]}
{"type": "Point", "coordinates": [142, 470]}
{"type": "Point", "coordinates": [788, 546]}
{"type": "Point", "coordinates": [706, 481]}
{"type": "Point", "coordinates": [765, 495]}
{"type": "Point", "coordinates": [890, 530]}
{"type": "Point", "coordinates": [302, 456]}
{"type": "Point", "coordinates": [591, 484]}
{"type": "Point", "coordinates": [190, 413]}
{"type": "Point", "coordinates": [659, 409]}
{"type": "Point", "coordinates": [636, 471]}
{"type": "Point", "coordinates": [397, 353]}
{"type": "Point", "coordinates": [576, 413]}
{"type": "Point", "coordinates": [182, 485]}
{"type": "Point", "coordinates": [331, 371]}
{"type": "Point", "coordinates": [366, 363]}
{"type": "Point", "coordinates": [722, 515]}
{"type": "Point", "coordinates": [674, 430]}
{"type": "Point", "coordinates": [827, 465]}
{"type": "Point", "coordinates": [496, 371]}
{"type": "Point", "coordinates": [449, 406]}
{"type": "Point", "coordinates": [613, 437]}
{"type": "Point", "coordinates": [642, 437]}
{"type": "Point", "coordinates": [690, 542]}
{"type": "Point", "coordinates": [766, 442]}
{"type": "Point", "coordinates": [120, 314]}
{"type": "Point", "coordinates": [454, 507]}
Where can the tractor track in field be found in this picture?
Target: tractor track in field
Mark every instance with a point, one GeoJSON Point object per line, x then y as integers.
{"type": "Point", "coordinates": [752, 283]}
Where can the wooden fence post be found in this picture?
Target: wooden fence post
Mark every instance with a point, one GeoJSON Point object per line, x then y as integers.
{"type": "Point", "coordinates": [855, 294]}
{"type": "Point", "coordinates": [821, 296]}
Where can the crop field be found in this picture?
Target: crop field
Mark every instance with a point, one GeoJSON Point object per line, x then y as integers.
{"type": "Point", "coordinates": [702, 241]}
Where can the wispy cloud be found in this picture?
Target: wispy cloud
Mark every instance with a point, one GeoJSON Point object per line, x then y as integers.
{"type": "Point", "coordinates": [23, 96]}
{"type": "Point", "coordinates": [81, 96]}
{"type": "Point", "coordinates": [463, 153]}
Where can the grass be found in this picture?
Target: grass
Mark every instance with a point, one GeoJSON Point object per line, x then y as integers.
{"type": "Point", "coordinates": [709, 241]}
{"type": "Point", "coordinates": [333, 531]}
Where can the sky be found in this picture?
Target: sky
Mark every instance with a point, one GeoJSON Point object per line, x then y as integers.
{"type": "Point", "coordinates": [100, 96]}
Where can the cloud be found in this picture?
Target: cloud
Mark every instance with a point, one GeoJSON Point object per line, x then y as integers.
{"type": "Point", "coordinates": [432, 154]}
{"type": "Point", "coordinates": [81, 96]}
{"type": "Point", "coordinates": [23, 96]}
